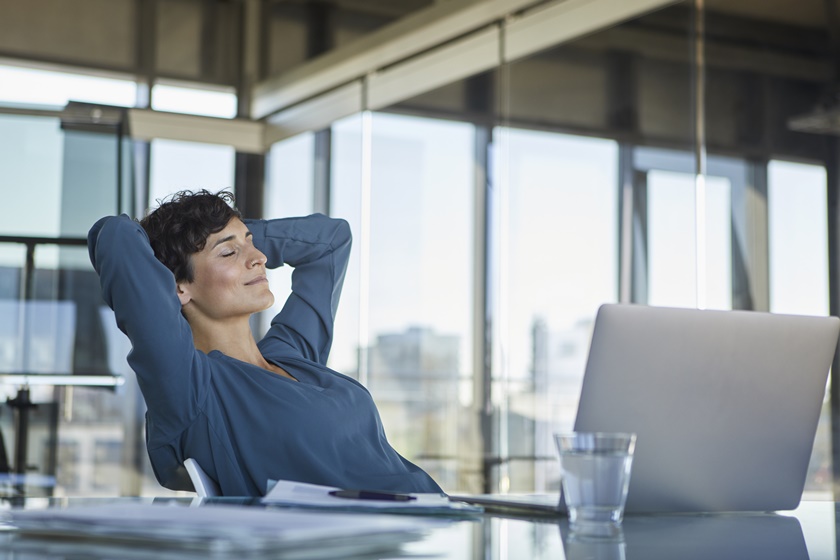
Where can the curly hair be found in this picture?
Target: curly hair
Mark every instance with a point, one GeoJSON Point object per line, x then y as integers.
{"type": "Point", "coordinates": [180, 226]}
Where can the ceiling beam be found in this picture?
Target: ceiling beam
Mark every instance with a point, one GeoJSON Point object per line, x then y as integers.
{"type": "Point", "coordinates": [407, 37]}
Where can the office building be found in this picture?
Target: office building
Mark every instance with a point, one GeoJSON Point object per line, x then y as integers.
{"type": "Point", "coordinates": [506, 167]}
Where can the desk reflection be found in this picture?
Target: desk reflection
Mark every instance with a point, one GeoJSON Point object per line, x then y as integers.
{"type": "Point", "coordinates": [689, 537]}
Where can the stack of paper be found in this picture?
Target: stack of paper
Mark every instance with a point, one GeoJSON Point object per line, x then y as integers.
{"type": "Point", "coordinates": [224, 530]}
{"type": "Point", "coordinates": [301, 494]}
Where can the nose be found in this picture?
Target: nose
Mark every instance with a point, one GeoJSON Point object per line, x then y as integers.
{"type": "Point", "coordinates": [257, 258]}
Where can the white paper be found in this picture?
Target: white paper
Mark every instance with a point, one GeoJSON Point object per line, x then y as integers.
{"type": "Point", "coordinates": [220, 528]}
{"type": "Point", "coordinates": [290, 493]}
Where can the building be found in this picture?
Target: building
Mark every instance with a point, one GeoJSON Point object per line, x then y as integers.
{"type": "Point", "coordinates": [498, 160]}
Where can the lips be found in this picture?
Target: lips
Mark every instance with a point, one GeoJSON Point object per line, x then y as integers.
{"type": "Point", "coordinates": [258, 280]}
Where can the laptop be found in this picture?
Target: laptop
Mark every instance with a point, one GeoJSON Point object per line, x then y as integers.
{"type": "Point", "coordinates": [725, 405]}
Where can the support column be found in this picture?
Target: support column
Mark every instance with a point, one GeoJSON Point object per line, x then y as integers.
{"type": "Point", "coordinates": [833, 203]}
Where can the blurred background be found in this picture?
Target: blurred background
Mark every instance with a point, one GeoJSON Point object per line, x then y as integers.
{"type": "Point", "coordinates": [506, 166]}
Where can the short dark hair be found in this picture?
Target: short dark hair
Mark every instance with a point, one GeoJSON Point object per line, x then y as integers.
{"type": "Point", "coordinates": [180, 226]}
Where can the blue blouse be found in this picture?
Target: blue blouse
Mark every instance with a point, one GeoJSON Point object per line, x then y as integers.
{"type": "Point", "coordinates": [243, 424]}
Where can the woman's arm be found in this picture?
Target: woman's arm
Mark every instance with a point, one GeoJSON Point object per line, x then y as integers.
{"type": "Point", "coordinates": [141, 291]}
{"type": "Point", "coordinates": [318, 248]}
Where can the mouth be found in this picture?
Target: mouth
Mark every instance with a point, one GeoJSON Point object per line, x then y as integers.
{"type": "Point", "coordinates": [258, 280]}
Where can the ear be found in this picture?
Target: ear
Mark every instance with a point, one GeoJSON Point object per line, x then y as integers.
{"type": "Point", "coordinates": [183, 289]}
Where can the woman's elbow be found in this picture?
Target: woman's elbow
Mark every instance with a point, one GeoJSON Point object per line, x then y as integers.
{"type": "Point", "coordinates": [343, 235]}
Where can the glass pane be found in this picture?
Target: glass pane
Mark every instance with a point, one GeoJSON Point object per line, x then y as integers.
{"type": "Point", "coordinates": [63, 327]}
{"type": "Point", "coordinates": [797, 223]}
{"type": "Point", "coordinates": [412, 263]}
{"type": "Point", "coordinates": [346, 202]}
{"type": "Point", "coordinates": [63, 180]}
{"type": "Point", "coordinates": [567, 110]}
{"type": "Point", "coordinates": [92, 441]}
{"type": "Point", "coordinates": [289, 192]}
{"type": "Point", "coordinates": [779, 111]}
{"type": "Point", "coordinates": [177, 165]}
{"type": "Point", "coordinates": [90, 180]}
{"type": "Point", "coordinates": [12, 258]}
{"type": "Point", "coordinates": [797, 214]}
{"type": "Point", "coordinates": [31, 157]}
{"type": "Point", "coordinates": [31, 86]}
{"type": "Point", "coordinates": [194, 101]}
{"type": "Point", "coordinates": [421, 285]}
{"type": "Point", "coordinates": [561, 264]}
{"type": "Point", "coordinates": [672, 241]}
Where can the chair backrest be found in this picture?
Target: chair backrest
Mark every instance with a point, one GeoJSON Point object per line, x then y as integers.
{"type": "Point", "coordinates": [204, 486]}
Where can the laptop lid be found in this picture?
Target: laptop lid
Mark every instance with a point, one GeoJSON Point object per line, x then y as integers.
{"type": "Point", "coordinates": [725, 403]}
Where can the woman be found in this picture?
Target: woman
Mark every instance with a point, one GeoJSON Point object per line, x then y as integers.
{"type": "Point", "coordinates": [183, 284]}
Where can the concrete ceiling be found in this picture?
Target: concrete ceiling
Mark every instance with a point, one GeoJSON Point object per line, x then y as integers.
{"type": "Point", "coordinates": [384, 8]}
{"type": "Point", "coordinates": [807, 13]}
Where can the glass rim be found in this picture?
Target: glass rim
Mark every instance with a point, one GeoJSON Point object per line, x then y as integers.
{"type": "Point", "coordinates": [597, 435]}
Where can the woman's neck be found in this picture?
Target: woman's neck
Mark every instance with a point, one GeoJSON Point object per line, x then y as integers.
{"type": "Point", "coordinates": [232, 339]}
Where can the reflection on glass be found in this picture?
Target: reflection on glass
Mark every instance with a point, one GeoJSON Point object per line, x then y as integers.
{"type": "Point", "coordinates": [177, 166]}
{"type": "Point", "coordinates": [766, 536]}
{"type": "Point", "coordinates": [672, 235]}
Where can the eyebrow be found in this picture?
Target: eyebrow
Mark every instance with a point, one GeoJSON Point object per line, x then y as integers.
{"type": "Point", "coordinates": [229, 238]}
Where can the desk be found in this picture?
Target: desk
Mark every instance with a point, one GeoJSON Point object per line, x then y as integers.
{"type": "Point", "coordinates": [808, 532]}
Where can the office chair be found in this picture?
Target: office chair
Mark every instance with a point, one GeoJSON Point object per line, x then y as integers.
{"type": "Point", "coordinates": [204, 486]}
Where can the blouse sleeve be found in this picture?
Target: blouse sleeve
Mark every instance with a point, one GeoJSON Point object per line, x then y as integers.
{"type": "Point", "coordinates": [318, 247]}
{"type": "Point", "coordinates": [141, 291]}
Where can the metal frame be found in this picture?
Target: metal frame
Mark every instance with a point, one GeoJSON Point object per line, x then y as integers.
{"type": "Point", "coordinates": [750, 269]}
{"type": "Point", "coordinates": [833, 209]}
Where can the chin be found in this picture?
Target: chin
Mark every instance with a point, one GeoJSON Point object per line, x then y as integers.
{"type": "Point", "coordinates": [269, 302]}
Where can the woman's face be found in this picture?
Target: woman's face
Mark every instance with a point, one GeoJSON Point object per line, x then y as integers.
{"type": "Point", "coordinates": [229, 276]}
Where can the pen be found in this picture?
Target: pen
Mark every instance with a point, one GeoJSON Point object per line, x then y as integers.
{"type": "Point", "coordinates": [370, 495]}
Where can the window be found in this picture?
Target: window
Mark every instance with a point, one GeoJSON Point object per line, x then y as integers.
{"type": "Point", "coordinates": [289, 192]}
{"type": "Point", "coordinates": [416, 333]}
{"type": "Point", "coordinates": [194, 101]}
{"type": "Point", "coordinates": [177, 166]}
{"type": "Point", "coordinates": [672, 241]}
{"type": "Point", "coordinates": [31, 157]}
{"type": "Point", "coordinates": [346, 202]}
{"type": "Point", "coordinates": [30, 86]}
{"type": "Point", "coordinates": [559, 264]}
{"type": "Point", "coordinates": [797, 215]}
{"type": "Point", "coordinates": [798, 237]}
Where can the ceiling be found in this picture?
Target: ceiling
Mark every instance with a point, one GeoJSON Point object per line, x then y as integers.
{"type": "Point", "coordinates": [808, 13]}
{"type": "Point", "coordinates": [384, 8]}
